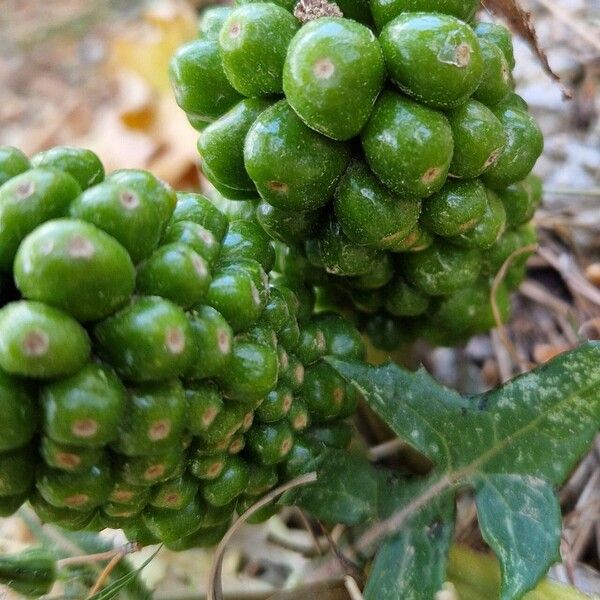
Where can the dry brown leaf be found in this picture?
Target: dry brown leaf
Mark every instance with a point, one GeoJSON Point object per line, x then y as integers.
{"type": "Point", "coordinates": [521, 22]}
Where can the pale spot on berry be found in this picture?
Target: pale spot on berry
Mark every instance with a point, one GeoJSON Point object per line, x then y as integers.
{"type": "Point", "coordinates": [25, 190]}
{"type": "Point", "coordinates": [175, 340]}
{"type": "Point", "coordinates": [299, 374]}
{"type": "Point", "coordinates": [223, 341]}
{"type": "Point", "coordinates": [214, 470]}
{"type": "Point", "coordinates": [278, 186]}
{"type": "Point", "coordinates": [129, 200]}
{"type": "Point", "coordinates": [323, 68]}
{"type": "Point", "coordinates": [154, 472]}
{"type": "Point", "coordinates": [209, 415]}
{"type": "Point", "coordinates": [199, 266]}
{"type": "Point", "coordinates": [159, 430]}
{"type": "Point", "coordinates": [493, 158]}
{"type": "Point", "coordinates": [68, 460]}
{"type": "Point", "coordinates": [77, 500]}
{"type": "Point", "coordinates": [338, 396]}
{"type": "Point", "coordinates": [463, 54]}
{"type": "Point", "coordinates": [36, 343]}
{"type": "Point", "coordinates": [85, 428]}
{"type": "Point", "coordinates": [287, 402]}
{"type": "Point", "coordinates": [81, 247]}
{"type": "Point", "coordinates": [300, 422]}
{"type": "Point", "coordinates": [255, 294]}
{"type": "Point", "coordinates": [431, 175]}
{"type": "Point", "coordinates": [172, 499]}
{"type": "Point", "coordinates": [122, 496]}
{"type": "Point", "coordinates": [286, 446]}
{"type": "Point", "coordinates": [235, 30]}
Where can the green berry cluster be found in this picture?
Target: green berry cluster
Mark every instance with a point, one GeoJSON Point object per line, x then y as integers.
{"type": "Point", "coordinates": [153, 376]}
{"type": "Point", "coordinates": [386, 146]}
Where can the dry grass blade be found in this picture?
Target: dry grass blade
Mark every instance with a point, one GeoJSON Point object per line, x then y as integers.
{"type": "Point", "coordinates": [521, 22]}
{"type": "Point", "coordinates": [215, 585]}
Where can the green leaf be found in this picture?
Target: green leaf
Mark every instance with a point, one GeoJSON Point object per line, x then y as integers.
{"type": "Point", "coordinates": [520, 519]}
{"type": "Point", "coordinates": [412, 564]}
{"type": "Point", "coordinates": [536, 426]}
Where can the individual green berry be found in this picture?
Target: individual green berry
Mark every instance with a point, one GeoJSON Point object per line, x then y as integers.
{"type": "Point", "coordinates": [262, 479]}
{"type": "Point", "coordinates": [455, 209]}
{"type": "Point", "coordinates": [294, 168]}
{"type": "Point", "coordinates": [298, 416]}
{"type": "Point", "coordinates": [74, 266]}
{"type": "Point", "coordinates": [204, 403]}
{"type": "Point", "coordinates": [200, 210]}
{"type": "Point", "coordinates": [260, 334]}
{"type": "Point", "coordinates": [351, 401]}
{"type": "Point", "coordinates": [211, 21]}
{"type": "Point", "coordinates": [333, 435]}
{"type": "Point", "coordinates": [499, 35]}
{"type": "Point", "coordinates": [212, 339]}
{"type": "Point", "coordinates": [19, 411]}
{"type": "Point", "coordinates": [235, 293]}
{"type": "Point", "coordinates": [171, 525]}
{"type": "Point", "coordinates": [17, 470]}
{"type": "Point", "coordinates": [433, 57]}
{"type": "Point", "coordinates": [238, 443]}
{"type": "Point", "coordinates": [411, 165]}
{"type": "Point", "coordinates": [144, 183]}
{"type": "Point", "coordinates": [479, 139]}
{"type": "Point", "coordinates": [82, 164]}
{"type": "Point", "coordinates": [342, 339]}
{"type": "Point", "coordinates": [149, 340]}
{"type": "Point", "coordinates": [270, 444]}
{"type": "Point", "coordinates": [302, 458]}
{"type": "Point", "coordinates": [11, 504]}
{"type": "Point", "coordinates": [207, 467]}
{"type": "Point", "coordinates": [174, 494]}
{"type": "Point", "coordinates": [221, 145]}
{"type": "Point", "coordinates": [369, 213]}
{"type": "Point", "coordinates": [197, 237]}
{"type": "Point", "coordinates": [323, 391]}
{"type": "Point", "coordinates": [497, 81]}
{"type": "Point", "coordinates": [312, 344]}
{"type": "Point", "coordinates": [333, 73]}
{"type": "Point", "coordinates": [28, 200]}
{"type": "Point", "coordinates": [404, 300]}
{"type": "Point", "coordinates": [199, 83]}
{"type": "Point", "coordinates": [12, 163]}
{"type": "Point", "coordinates": [524, 146]}
{"type": "Point", "coordinates": [254, 40]}
{"type": "Point", "coordinates": [290, 227]}
{"type": "Point", "coordinates": [205, 537]}
{"type": "Point", "coordinates": [275, 406]}
{"type": "Point", "coordinates": [230, 484]}
{"type": "Point", "coordinates": [144, 471]}
{"type": "Point", "coordinates": [386, 10]}
{"type": "Point", "coordinates": [491, 226]}
{"type": "Point", "coordinates": [67, 518]}
{"type": "Point", "coordinates": [341, 256]}
{"type": "Point", "coordinates": [129, 216]}
{"type": "Point", "coordinates": [442, 269]}
{"type": "Point", "coordinates": [416, 241]}
{"type": "Point", "coordinates": [252, 373]}
{"type": "Point", "coordinates": [521, 200]}
{"type": "Point", "coordinates": [386, 332]}
{"type": "Point", "coordinates": [293, 376]}
{"type": "Point", "coordinates": [229, 421]}
{"type": "Point", "coordinates": [78, 491]}
{"type": "Point", "coordinates": [513, 101]}
{"type": "Point", "coordinates": [41, 342]}
{"type": "Point", "coordinates": [120, 513]}
{"type": "Point", "coordinates": [175, 272]}
{"type": "Point", "coordinates": [377, 278]}
{"type": "Point", "coordinates": [366, 301]}
{"type": "Point", "coordinates": [128, 494]}
{"type": "Point", "coordinates": [85, 409]}
{"type": "Point", "coordinates": [277, 311]}
{"type": "Point", "coordinates": [246, 239]}
{"type": "Point", "coordinates": [153, 420]}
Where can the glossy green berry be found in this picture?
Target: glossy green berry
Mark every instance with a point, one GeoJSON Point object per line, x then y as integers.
{"type": "Point", "coordinates": [207, 467]}
{"type": "Point", "coordinates": [212, 339]}
{"type": "Point", "coordinates": [200, 210]}
{"type": "Point", "coordinates": [262, 479]}
{"type": "Point", "coordinates": [381, 274]}
{"type": "Point", "coordinates": [479, 139]}
{"type": "Point", "coordinates": [41, 342]}
{"type": "Point", "coordinates": [488, 229]}
{"type": "Point", "coordinates": [254, 41]}
{"type": "Point", "coordinates": [277, 311]}
{"type": "Point", "coordinates": [75, 266]}
{"type": "Point", "coordinates": [171, 525]}
{"type": "Point", "coordinates": [198, 80]}
{"type": "Point", "coordinates": [221, 145]}
{"type": "Point", "coordinates": [513, 101]}
{"type": "Point", "coordinates": [252, 373]}
{"type": "Point", "coordinates": [119, 513]}
{"type": "Point", "coordinates": [211, 21]}
{"type": "Point", "coordinates": [298, 416]}
{"type": "Point", "coordinates": [197, 237]}
{"type": "Point", "coordinates": [127, 494]}
{"type": "Point", "coordinates": [235, 294]}
{"type": "Point", "coordinates": [229, 421]}
{"type": "Point", "coordinates": [386, 332]}
{"type": "Point", "coordinates": [230, 484]}
{"type": "Point", "coordinates": [145, 184]}
{"type": "Point", "coordinates": [205, 537]}
{"type": "Point", "coordinates": [260, 334]}
{"type": "Point", "coordinates": [442, 268]}
{"type": "Point", "coordinates": [28, 200]}
{"type": "Point", "coordinates": [85, 409]}
{"type": "Point", "coordinates": [433, 57]}
{"type": "Point", "coordinates": [17, 470]}
{"type": "Point", "coordinates": [455, 209]}
{"type": "Point", "coordinates": [386, 10]}
{"type": "Point", "coordinates": [174, 494]}
{"type": "Point", "coordinates": [369, 213]}
{"type": "Point", "coordinates": [413, 166]}
{"type": "Point", "coordinates": [82, 164]}
{"type": "Point", "coordinates": [366, 301]}
{"type": "Point", "coordinates": [11, 504]}
{"type": "Point", "coordinates": [246, 239]}
{"type": "Point", "coordinates": [302, 458]}
{"type": "Point", "coordinates": [238, 443]}
{"type": "Point", "coordinates": [293, 376]}
{"type": "Point", "coordinates": [293, 167]}
{"type": "Point", "coordinates": [525, 144]}
{"type": "Point", "coordinates": [497, 81]}
{"type": "Point", "coordinates": [342, 339]}
{"type": "Point", "coordinates": [149, 340]}
{"type": "Point", "coordinates": [334, 435]}
{"type": "Point", "coordinates": [275, 406]}
{"type": "Point", "coordinates": [263, 514]}
{"type": "Point", "coordinates": [78, 491]}
{"type": "Point", "coordinates": [323, 391]}
{"type": "Point", "coordinates": [521, 200]}
{"type": "Point", "coordinates": [417, 240]}
{"type": "Point", "coordinates": [126, 214]}
{"type": "Point", "coordinates": [333, 73]}
{"type": "Point", "coordinates": [312, 344]}
{"type": "Point", "coordinates": [404, 300]}
{"type": "Point", "coordinates": [67, 518]}
{"type": "Point", "coordinates": [145, 471]}
{"type": "Point", "coordinates": [499, 35]}
{"type": "Point", "coordinates": [175, 272]}
{"type": "Point", "coordinates": [270, 444]}
{"type": "Point", "coordinates": [288, 226]}
{"type": "Point", "coordinates": [341, 256]}
{"type": "Point", "coordinates": [204, 403]}
{"type": "Point", "coordinates": [12, 163]}
{"type": "Point", "coordinates": [19, 413]}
